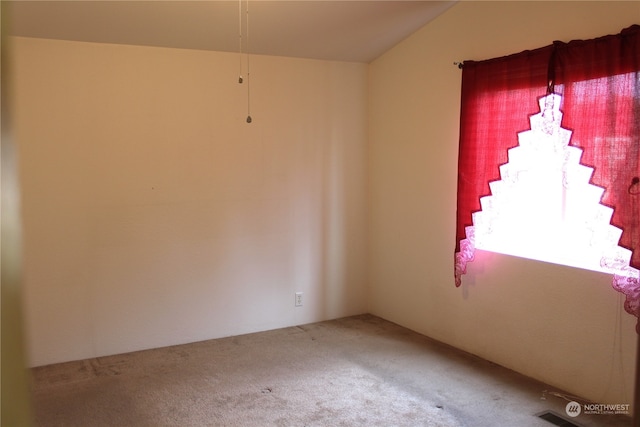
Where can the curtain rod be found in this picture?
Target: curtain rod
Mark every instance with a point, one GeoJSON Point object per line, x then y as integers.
{"type": "Point", "coordinates": [459, 64]}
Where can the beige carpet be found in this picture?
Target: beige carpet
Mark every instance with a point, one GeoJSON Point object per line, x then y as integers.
{"type": "Point", "coordinates": [357, 371]}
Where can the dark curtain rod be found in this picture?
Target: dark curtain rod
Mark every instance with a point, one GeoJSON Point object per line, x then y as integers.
{"type": "Point", "coordinates": [459, 64]}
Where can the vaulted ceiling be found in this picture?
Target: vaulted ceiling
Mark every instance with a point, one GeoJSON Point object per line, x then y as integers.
{"type": "Point", "coordinates": [347, 30]}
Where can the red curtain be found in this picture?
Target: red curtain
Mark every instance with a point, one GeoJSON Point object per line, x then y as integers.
{"type": "Point", "coordinates": [599, 81]}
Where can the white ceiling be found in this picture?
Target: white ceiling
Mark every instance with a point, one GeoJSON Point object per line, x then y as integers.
{"type": "Point", "coordinates": [346, 30]}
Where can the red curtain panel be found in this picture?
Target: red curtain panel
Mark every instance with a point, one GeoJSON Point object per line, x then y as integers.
{"type": "Point", "coordinates": [599, 81]}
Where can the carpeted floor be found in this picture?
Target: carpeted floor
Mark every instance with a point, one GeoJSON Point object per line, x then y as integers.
{"type": "Point", "coordinates": [357, 371]}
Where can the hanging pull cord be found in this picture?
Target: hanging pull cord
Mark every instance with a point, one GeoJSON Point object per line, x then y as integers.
{"type": "Point", "coordinates": [248, 71]}
{"type": "Point", "coordinates": [240, 39]}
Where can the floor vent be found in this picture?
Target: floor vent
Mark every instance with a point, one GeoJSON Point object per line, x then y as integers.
{"type": "Point", "coordinates": [556, 419]}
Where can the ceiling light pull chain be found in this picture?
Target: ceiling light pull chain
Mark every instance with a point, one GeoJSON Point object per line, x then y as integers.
{"type": "Point", "coordinates": [248, 71]}
{"type": "Point", "coordinates": [240, 39]}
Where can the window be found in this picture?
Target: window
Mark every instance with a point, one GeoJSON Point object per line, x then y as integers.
{"type": "Point", "coordinates": [544, 195]}
{"type": "Point", "coordinates": [550, 157]}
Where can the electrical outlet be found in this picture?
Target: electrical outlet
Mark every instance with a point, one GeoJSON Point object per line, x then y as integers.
{"type": "Point", "coordinates": [298, 299]}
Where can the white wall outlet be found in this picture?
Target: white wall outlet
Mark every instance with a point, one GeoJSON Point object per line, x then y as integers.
{"type": "Point", "coordinates": [298, 299]}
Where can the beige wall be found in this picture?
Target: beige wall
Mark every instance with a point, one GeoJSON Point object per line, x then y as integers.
{"type": "Point", "coordinates": [155, 215]}
{"type": "Point", "coordinates": [557, 324]}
